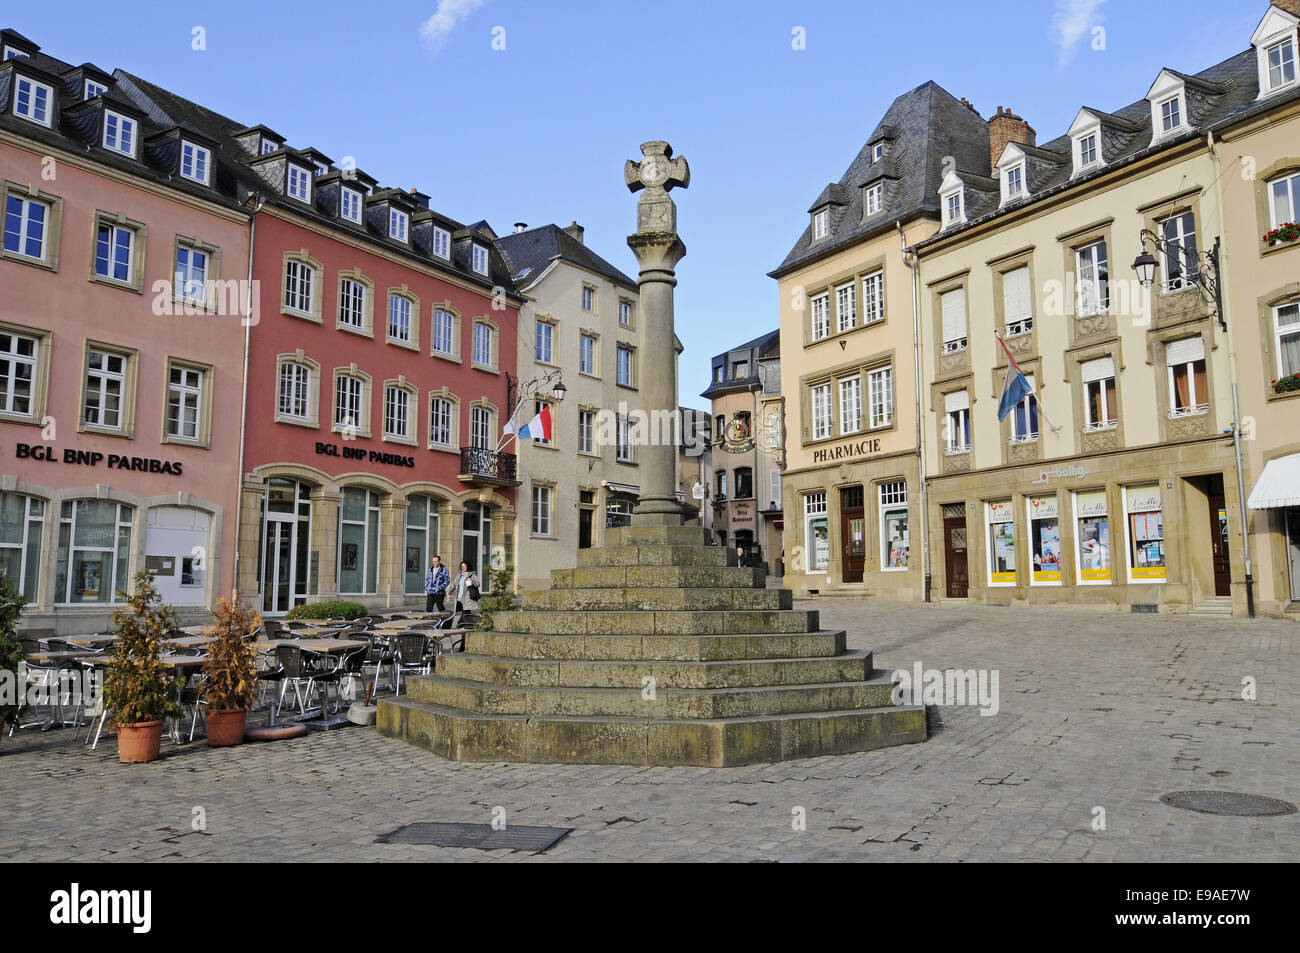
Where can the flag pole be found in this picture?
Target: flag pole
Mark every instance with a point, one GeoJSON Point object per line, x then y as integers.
{"type": "Point", "coordinates": [1011, 363]}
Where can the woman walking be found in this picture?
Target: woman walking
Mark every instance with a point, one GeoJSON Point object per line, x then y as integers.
{"type": "Point", "coordinates": [467, 589]}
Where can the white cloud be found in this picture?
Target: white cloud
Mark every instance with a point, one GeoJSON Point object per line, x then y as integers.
{"type": "Point", "coordinates": [1071, 22]}
{"type": "Point", "coordinates": [438, 27]}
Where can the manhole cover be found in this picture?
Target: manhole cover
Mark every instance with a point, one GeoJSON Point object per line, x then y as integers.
{"type": "Point", "coordinates": [481, 836]}
{"type": "Point", "coordinates": [1227, 802]}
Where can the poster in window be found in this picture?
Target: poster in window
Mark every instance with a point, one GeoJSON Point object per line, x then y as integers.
{"type": "Point", "coordinates": [819, 531]}
{"type": "Point", "coordinates": [349, 556]}
{"type": "Point", "coordinates": [1002, 544]}
{"type": "Point", "coordinates": [1045, 539]}
{"type": "Point", "coordinates": [1147, 533]}
{"type": "Point", "coordinates": [91, 573]}
{"type": "Point", "coordinates": [1093, 535]}
{"type": "Point", "coordinates": [412, 558]}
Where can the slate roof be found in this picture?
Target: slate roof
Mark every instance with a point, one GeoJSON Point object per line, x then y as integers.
{"type": "Point", "coordinates": [920, 129]}
{"type": "Point", "coordinates": [1215, 98]}
{"type": "Point", "coordinates": [765, 345]}
{"type": "Point", "coordinates": [529, 253]}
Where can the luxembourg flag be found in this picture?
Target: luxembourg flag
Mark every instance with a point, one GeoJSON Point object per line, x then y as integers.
{"type": "Point", "coordinates": [539, 428]}
{"type": "Point", "coordinates": [1016, 387]}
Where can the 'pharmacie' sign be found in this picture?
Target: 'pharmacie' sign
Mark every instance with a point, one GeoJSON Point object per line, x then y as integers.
{"type": "Point", "coordinates": [93, 458]}
{"type": "Point", "coordinates": [846, 451]}
{"type": "Point", "coordinates": [361, 453]}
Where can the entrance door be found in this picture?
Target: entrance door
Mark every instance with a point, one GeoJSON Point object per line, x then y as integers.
{"type": "Point", "coordinates": [584, 529]}
{"type": "Point", "coordinates": [278, 567]}
{"type": "Point", "coordinates": [1293, 549]}
{"type": "Point", "coordinates": [853, 533]}
{"type": "Point", "coordinates": [954, 549]}
{"type": "Point", "coordinates": [1219, 540]}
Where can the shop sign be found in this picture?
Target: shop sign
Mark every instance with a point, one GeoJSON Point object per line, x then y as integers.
{"type": "Point", "coordinates": [846, 451]}
{"type": "Point", "coordinates": [361, 453]}
{"type": "Point", "coordinates": [93, 458]}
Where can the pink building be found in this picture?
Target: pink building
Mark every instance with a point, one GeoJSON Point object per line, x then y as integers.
{"type": "Point", "coordinates": [121, 347]}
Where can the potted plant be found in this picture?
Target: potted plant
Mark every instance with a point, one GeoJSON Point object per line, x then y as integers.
{"type": "Point", "coordinates": [1284, 385]}
{"type": "Point", "coordinates": [231, 671]}
{"type": "Point", "coordinates": [1287, 232]}
{"type": "Point", "coordinates": [11, 656]}
{"type": "Point", "coordinates": [139, 689]}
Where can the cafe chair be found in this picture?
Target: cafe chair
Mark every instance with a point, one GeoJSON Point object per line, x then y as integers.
{"type": "Point", "coordinates": [412, 652]}
{"type": "Point", "coordinates": [294, 671]}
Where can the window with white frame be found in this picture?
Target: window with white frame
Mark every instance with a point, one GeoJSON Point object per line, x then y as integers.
{"type": "Point", "coordinates": [480, 259]}
{"type": "Point", "coordinates": [195, 163]}
{"type": "Point", "coordinates": [774, 489]}
{"type": "Point", "coordinates": [821, 223]}
{"type": "Point", "coordinates": [350, 206]}
{"type": "Point", "coordinates": [119, 133]}
{"type": "Point", "coordinates": [623, 441]}
{"type": "Point", "coordinates": [586, 431]}
{"type": "Point", "coordinates": [817, 538]}
{"type": "Point", "coordinates": [18, 365]}
{"type": "Point", "coordinates": [32, 100]}
{"type": "Point", "coordinates": [105, 396]}
{"type": "Point", "coordinates": [94, 551]}
{"type": "Point", "coordinates": [1180, 259]}
{"type": "Point", "coordinates": [851, 404]}
{"type": "Point", "coordinates": [587, 355]}
{"type": "Point", "coordinates": [873, 297]}
{"type": "Point", "coordinates": [268, 146]}
{"type": "Point", "coordinates": [352, 302]}
{"type": "Point", "coordinates": [1093, 275]}
{"type": "Point", "coordinates": [397, 413]}
{"type": "Point", "coordinates": [821, 321]}
{"type": "Point", "coordinates": [1284, 199]}
{"type": "Point", "coordinates": [545, 342]}
{"type": "Point", "coordinates": [538, 407]}
{"type": "Point", "coordinates": [480, 428]}
{"type": "Point", "coordinates": [588, 298]}
{"type": "Point", "coordinates": [873, 199]}
{"type": "Point", "coordinates": [953, 308]}
{"type": "Point", "coordinates": [846, 306]}
{"type": "Point", "coordinates": [299, 183]}
{"type": "Point", "coordinates": [482, 350]}
{"type": "Point", "coordinates": [398, 224]}
{"type": "Point", "coordinates": [1171, 114]}
{"type": "Point", "coordinates": [821, 411]}
{"type": "Point", "coordinates": [184, 402]}
{"type": "Point", "coordinates": [444, 325]}
{"type": "Point", "coordinates": [191, 274]}
{"type": "Point", "coordinates": [624, 366]}
{"type": "Point", "coordinates": [298, 280]}
{"type": "Point", "coordinates": [358, 541]}
{"type": "Point", "coordinates": [441, 242]}
{"type": "Point", "coordinates": [22, 522]}
{"type": "Point", "coordinates": [1280, 62]}
{"type": "Point", "coordinates": [957, 422]}
{"type": "Point", "coordinates": [954, 208]}
{"type": "Point", "coordinates": [1017, 302]}
{"type": "Point", "coordinates": [399, 318]}
{"type": "Point", "coordinates": [541, 510]}
{"type": "Point", "coordinates": [625, 313]}
{"type": "Point", "coordinates": [1286, 338]}
{"type": "Point", "coordinates": [895, 542]}
{"type": "Point", "coordinates": [877, 152]}
{"type": "Point", "coordinates": [1024, 416]}
{"type": "Point", "coordinates": [114, 251]}
{"type": "Point", "coordinates": [880, 394]}
{"type": "Point", "coordinates": [1189, 393]}
{"type": "Point", "coordinates": [93, 89]}
{"type": "Point", "coordinates": [349, 397]}
{"type": "Point", "coordinates": [1098, 377]}
{"type": "Point", "coordinates": [1088, 150]}
{"type": "Point", "coordinates": [26, 225]}
{"type": "Point", "coordinates": [1014, 180]}
{"type": "Point", "coordinates": [440, 422]}
{"type": "Point", "coordinates": [295, 391]}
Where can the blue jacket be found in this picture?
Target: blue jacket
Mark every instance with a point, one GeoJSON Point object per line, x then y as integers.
{"type": "Point", "coordinates": [436, 582]}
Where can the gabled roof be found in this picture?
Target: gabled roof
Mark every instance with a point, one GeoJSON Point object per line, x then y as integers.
{"type": "Point", "coordinates": [529, 253]}
{"type": "Point", "coordinates": [923, 126]}
{"type": "Point", "coordinates": [764, 346]}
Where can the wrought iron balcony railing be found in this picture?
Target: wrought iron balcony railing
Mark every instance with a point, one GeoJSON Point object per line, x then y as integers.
{"type": "Point", "coordinates": [488, 465]}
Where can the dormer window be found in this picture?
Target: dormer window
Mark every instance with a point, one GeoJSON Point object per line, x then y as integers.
{"type": "Point", "coordinates": [119, 133]}
{"type": "Point", "coordinates": [12, 53]}
{"type": "Point", "coordinates": [1171, 114]}
{"type": "Point", "coordinates": [821, 223]}
{"type": "Point", "coordinates": [299, 183]}
{"type": "Point", "coordinates": [1168, 99]}
{"type": "Point", "coordinates": [480, 259]}
{"type": "Point", "coordinates": [1281, 64]}
{"type": "Point", "coordinates": [350, 206]}
{"type": "Point", "coordinates": [1088, 151]}
{"type": "Point", "coordinates": [321, 168]}
{"type": "Point", "coordinates": [877, 152]}
{"type": "Point", "coordinates": [267, 146]}
{"type": "Point", "coordinates": [873, 199]}
{"type": "Point", "coordinates": [1015, 182]}
{"type": "Point", "coordinates": [953, 211]}
{"type": "Point", "coordinates": [1013, 171]}
{"type": "Point", "coordinates": [94, 89]}
{"type": "Point", "coordinates": [398, 223]}
{"type": "Point", "coordinates": [441, 242]}
{"type": "Point", "coordinates": [952, 200]}
{"type": "Point", "coordinates": [1275, 43]}
{"type": "Point", "coordinates": [32, 100]}
{"type": "Point", "coordinates": [196, 162]}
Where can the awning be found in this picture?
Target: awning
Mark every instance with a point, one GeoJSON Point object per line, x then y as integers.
{"type": "Point", "coordinates": [1278, 486]}
{"type": "Point", "coordinates": [631, 489]}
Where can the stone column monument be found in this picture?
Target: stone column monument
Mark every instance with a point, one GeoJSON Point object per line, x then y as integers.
{"type": "Point", "coordinates": [658, 249]}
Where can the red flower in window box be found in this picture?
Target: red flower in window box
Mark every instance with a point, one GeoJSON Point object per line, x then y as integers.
{"type": "Point", "coordinates": [1283, 233]}
{"type": "Point", "coordinates": [1284, 385]}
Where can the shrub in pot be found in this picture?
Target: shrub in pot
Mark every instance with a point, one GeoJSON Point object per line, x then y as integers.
{"type": "Point", "coordinates": [231, 670]}
{"type": "Point", "coordinates": [11, 657]}
{"type": "Point", "coordinates": [139, 690]}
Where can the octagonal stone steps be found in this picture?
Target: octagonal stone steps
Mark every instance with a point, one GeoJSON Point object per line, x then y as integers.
{"type": "Point", "coordinates": [461, 735]}
{"type": "Point", "coordinates": [665, 648]}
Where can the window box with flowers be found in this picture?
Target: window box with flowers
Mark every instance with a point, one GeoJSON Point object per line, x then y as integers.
{"type": "Point", "coordinates": [1282, 235]}
{"type": "Point", "coordinates": [1286, 385]}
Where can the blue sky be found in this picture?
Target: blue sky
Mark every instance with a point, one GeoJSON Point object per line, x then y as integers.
{"type": "Point", "coordinates": [538, 132]}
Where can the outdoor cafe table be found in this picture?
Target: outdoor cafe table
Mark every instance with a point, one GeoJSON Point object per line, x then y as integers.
{"type": "Point", "coordinates": [59, 656]}
{"type": "Point", "coordinates": [327, 647]}
{"type": "Point", "coordinates": [189, 641]}
{"type": "Point", "coordinates": [91, 640]}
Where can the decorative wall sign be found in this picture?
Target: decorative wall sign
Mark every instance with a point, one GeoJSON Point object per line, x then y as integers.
{"type": "Point", "coordinates": [738, 435]}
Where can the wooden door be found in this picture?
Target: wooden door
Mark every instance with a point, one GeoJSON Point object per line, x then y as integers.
{"type": "Point", "coordinates": [584, 529]}
{"type": "Point", "coordinates": [1219, 544]}
{"type": "Point", "coordinates": [853, 534]}
{"type": "Point", "coordinates": [954, 551]}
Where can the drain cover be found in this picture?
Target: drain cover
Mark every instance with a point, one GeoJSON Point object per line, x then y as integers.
{"type": "Point", "coordinates": [481, 836]}
{"type": "Point", "coordinates": [1227, 802]}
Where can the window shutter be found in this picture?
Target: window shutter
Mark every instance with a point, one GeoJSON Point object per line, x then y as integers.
{"type": "Point", "coordinates": [1099, 369]}
{"type": "Point", "coordinates": [774, 487]}
{"type": "Point", "coordinates": [1185, 350]}
{"type": "Point", "coordinates": [1016, 295]}
{"type": "Point", "coordinates": [957, 400]}
{"type": "Point", "coordinates": [954, 315]}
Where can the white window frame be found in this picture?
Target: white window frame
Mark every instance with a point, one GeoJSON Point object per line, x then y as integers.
{"type": "Point", "coordinates": [400, 308]}
{"type": "Point", "coordinates": [199, 159]}
{"type": "Point", "coordinates": [821, 316]}
{"type": "Point", "coordinates": [822, 412]}
{"type": "Point", "coordinates": [438, 337]}
{"type": "Point", "coordinates": [397, 412]}
{"type": "Point", "coordinates": [821, 224]}
{"type": "Point", "coordinates": [1291, 184]}
{"type": "Point", "coordinates": [892, 498]}
{"type": "Point", "coordinates": [1186, 257]}
{"type": "Point", "coordinates": [1109, 421]}
{"type": "Point", "coordinates": [352, 303]}
{"type": "Point", "coordinates": [33, 89]}
{"type": "Point", "coordinates": [482, 341]}
{"type": "Point", "coordinates": [90, 89]}
{"type": "Point", "coordinates": [1091, 257]}
{"type": "Point", "coordinates": [114, 230]}
{"type": "Point", "coordinates": [877, 152]}
{"type": "Point", "coordinates": [541, 509]}
{"type": "Point", "coordinates": [479, 259]}
{"type": "Point", "coordinates": [873, 297]}
{"type": "Point", "coordinates": [625, 368]}
{"type": "Point", "coordinates": [1028, 436]}
{"type": "Point", "coordinates": [293, 388]}
{"type": "Point", "coordinates": [625, 312]}
{"type": "Point", "coordinates": [538, 406]}
{"type": "Point", "coordinates": [850, 394]}
{"type": "Point", "coordinates": [191, 282]}
{"type": "Point", "coordinates": [1283, 47]}
{"type": "Point", "coordinates": [545, 341]}
{"type": "Point", "coordinates": [846, 307]}
{"type": "Point", "coordinates": [441, 243]}
{"type": "Point", "coordinates": [1281, 332]}
{"type": "Point", "coordinates": [588, 298]}
{"type": "Point", "coordinates": [11, 377]}
{"type": "Point", "coordinates": [104, 377]}
{"type": "Point", "coordinates": [299, 285]}
{"type": "Point", "coordinates": [954, 208]}
{"type": "Point", "coordinates": [350, 402]}
{"type": "Point", "coordinates": [1172, 115]}
{"type": "Point", "coordinates": [350, 200]}
{"type": "Point", "coordinates": [25, 223]}
{"type": "Point", "coordinates": [186, 394]}
{"type": "Point", "coordinates": [303, 177]}
{"type": "Point", "coordinates": [442, 419]}
{"type": "Point", "coordinates": [1018, 323]}
{"type": "Point", "coordinates": [874, 199]}
{"type": "Point", "coordinates": [623, 440]}
{"type": "Point", "coordinates": [957, 420]}
{"type": "Point", "coordinates": [399, 224]}
{"type": "Point", "coordinates": [1198, 404]}
{"type": "Point", "coordinates": [814, 506]}
{"type": "Point", "coordinates": [587, 355]}
{"type": "Point", "coordinates": [954, 343]}
{"type": "Point", "coordinates": [880, 397]}
{"type": "Point", "coordinates": [587, 432]}
{"type": "Point", "coordinates": [127, 130]}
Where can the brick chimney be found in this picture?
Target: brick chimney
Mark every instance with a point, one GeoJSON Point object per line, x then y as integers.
{"type": "Point", "coordinates": [1006, 127]}
{"type": "Point", "coordinates": [1290, 6]}
{"type": "Point", "coordinates": [576, 231]}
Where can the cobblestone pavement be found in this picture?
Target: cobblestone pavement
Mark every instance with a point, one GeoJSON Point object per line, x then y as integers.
{"type": "Point", "coordinates": [1097, 710]}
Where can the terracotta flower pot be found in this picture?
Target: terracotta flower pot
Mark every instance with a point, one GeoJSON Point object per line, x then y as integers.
{"type": "Point", "coordinates": [139, 743]}
{"type": "Point", "coordinates": [225, 726]}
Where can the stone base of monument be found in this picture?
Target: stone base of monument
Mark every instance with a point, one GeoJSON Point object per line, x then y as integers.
{"type": "Point", "coordinates": [657, 649]}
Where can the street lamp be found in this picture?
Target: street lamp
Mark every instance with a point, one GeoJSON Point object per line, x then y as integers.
{"type": "Point", "coordinates": [1202, 269]}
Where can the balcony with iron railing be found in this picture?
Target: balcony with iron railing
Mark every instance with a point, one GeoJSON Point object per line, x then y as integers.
{"type": "Point", "coordinates": [481, 465]}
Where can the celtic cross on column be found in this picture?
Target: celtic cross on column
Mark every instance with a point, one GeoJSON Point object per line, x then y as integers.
{"type": "Point", "coordinates": [657, 173]}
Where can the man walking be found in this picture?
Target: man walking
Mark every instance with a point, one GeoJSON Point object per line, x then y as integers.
{"type": "Point", "coordinates": [436, 581]}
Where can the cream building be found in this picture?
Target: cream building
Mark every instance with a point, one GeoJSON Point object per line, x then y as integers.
{"type": "Point", "coordinates": [579, 324]}
{"type": "Point", "coordinates": [851, 493]}
{"type": "Point", "coordinates": [1117, 484]}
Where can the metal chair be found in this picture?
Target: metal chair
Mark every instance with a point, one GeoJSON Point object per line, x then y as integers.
{"type": "Point", "coordinates": [324, 671]}
{"type": "Point", "coordinates": [412, 656]}
{"type": "Point", "coordinates": [294, 671]}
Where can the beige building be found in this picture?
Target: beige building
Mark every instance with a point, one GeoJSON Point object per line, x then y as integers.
{"type": "Point", "coordinates": [579, 325]}
{"type": "Point", "coordinates": [851, 493]}
{"type": "Point", "coordinates": [1115, 482]}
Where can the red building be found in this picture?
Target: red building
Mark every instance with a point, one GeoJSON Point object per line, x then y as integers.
{"type": "Point", "coordinates": [376, 386]}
